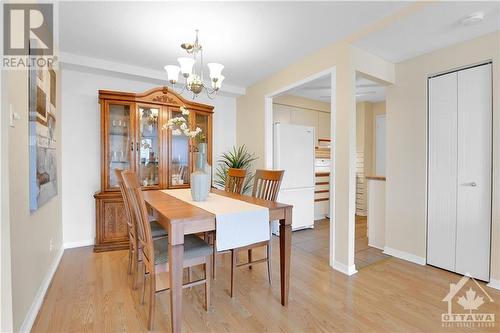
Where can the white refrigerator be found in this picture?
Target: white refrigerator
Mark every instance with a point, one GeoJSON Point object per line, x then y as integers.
{"type": "Point", "coordinates": [294, 152]}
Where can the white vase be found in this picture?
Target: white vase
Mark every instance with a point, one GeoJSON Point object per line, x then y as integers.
{"type": "Point", "coordinates": [200, 180]}
{"type": "Point", "coordinates": [203, 148]}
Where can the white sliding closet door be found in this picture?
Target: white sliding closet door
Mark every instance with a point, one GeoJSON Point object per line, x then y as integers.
{"type": "Point", "coordinates": [442, 172]}
{"type": "Point", "coordinates": [474, 172]}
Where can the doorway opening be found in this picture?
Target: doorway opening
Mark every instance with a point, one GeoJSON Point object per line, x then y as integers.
{"type": "Point", "coordinates": [299, 127]}
{"type": "Point", "coordinates": [370, 172]}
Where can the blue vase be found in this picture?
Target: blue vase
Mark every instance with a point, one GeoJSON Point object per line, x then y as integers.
{"type": "Point", "coordinates": [200, 179]}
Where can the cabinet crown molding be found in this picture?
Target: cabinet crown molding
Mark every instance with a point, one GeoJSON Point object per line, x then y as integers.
{"type": "Point", "coordinates": [160, 95]}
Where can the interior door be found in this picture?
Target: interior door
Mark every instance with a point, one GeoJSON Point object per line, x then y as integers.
{"type": "Point", "coordinates": [474, 171]}
{"type": "Point", "coordinates": [442, 171]}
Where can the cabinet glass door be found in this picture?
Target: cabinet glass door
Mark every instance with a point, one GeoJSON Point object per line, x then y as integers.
{"type": "Point", "coordinates": [119, 143]}
{"type": "Point", "coordinates": [148, 145]}
{"type": "Point", "coordinates": [201, 121]}
{"type": "Point", "coordinates": [179, 171]}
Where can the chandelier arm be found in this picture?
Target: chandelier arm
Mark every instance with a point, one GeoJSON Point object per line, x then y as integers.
{"type": "Point", "coordinates": [178, 91]}
{"type": "Point", "coordinates": [211, 93]}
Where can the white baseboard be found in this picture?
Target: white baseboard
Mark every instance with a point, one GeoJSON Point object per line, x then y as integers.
{"type": "Point", "coordinates": [347, 270]}
{"type": "Point", "coordinates": [375, 246]}
{"type": "Point", "coordinates": [404, 255]}
{"type": "Point", "coordinates": [495, 284]}
{"type": "Point", "coordinates": [320, 216]}
{"type": "Point", "coordinates": [86, 242]}
{"type": "Point", "coordinates": [40, 295]}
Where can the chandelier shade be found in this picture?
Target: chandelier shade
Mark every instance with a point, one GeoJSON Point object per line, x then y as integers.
{"type": "Point", "coordinates": [215, 70]}
{"type": "Point", "coordinates": [172, 73]}
{"type": "Point", "coordinates": [186, 65]}
{"type": "Point", "coordinates": [216, 84]}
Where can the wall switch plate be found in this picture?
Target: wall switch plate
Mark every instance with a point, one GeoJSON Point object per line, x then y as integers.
{"type": "Point", "coordinates": [13, 116]}
{"type": "Point", "coordinates": [51, 245]}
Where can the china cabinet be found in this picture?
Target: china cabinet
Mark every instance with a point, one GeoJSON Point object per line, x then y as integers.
{"type": "Point", "coordinates": [133, 136]}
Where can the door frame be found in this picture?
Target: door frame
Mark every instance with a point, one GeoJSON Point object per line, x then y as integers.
{"type": "Point", "coordinates": [268, 141]}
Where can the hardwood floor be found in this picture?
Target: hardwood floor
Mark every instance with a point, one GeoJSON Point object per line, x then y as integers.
{"type": "Point", "coordinates": [365, 255]}
{"type": "Point", "coordinates": [91, 292]}
{"type": "Point", "coordinates": [316, 241]}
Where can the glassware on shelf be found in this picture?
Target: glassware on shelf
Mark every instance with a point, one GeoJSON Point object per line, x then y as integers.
{"type": "Point", "coordinates": [179, 163]}
{"type": "Point", "coordinates": [149, 145]}
{"type": "Point", "coordinates": [118, 140]}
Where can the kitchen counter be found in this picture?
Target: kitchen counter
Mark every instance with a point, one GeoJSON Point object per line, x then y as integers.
{"type": "Point", "coordinates": [375, 178]}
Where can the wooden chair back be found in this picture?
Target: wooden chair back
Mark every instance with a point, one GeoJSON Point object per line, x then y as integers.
{"type": "Point", "coordinates": [235, 180]}
{"type": "Point", "coordinates": [132, 229]}
{"type": "Point", "coordinates": [267, 184]}
{"type": "Point", "coordinates": [140, 212]}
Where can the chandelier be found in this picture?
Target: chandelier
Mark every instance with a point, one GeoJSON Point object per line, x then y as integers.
{"type": "Point", "coordinates": [192, 71]}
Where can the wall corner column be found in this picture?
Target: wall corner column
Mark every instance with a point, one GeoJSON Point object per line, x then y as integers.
{"type": "Point", "coordinates": [344, 162]}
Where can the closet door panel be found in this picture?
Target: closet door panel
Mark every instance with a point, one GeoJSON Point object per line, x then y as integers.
{"type": "Point", "coordinates": [474, 171]}
{"type": "Point", "coordinates": [442, 171]}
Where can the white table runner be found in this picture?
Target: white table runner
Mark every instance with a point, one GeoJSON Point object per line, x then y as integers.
{"type": "Point", "coordinates": [238, 223]}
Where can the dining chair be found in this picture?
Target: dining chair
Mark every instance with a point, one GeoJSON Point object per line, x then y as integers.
{"type": "Point", "coordinates": [157, 231]}
{"type": "Point", "coordinates": [155, 252]}
{"type": "Point", "coordinates": [266, 186]}
{"type": "Point", "coordinates": [235, 180]}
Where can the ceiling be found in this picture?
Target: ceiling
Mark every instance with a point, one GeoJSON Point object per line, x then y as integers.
{"type": "Point", "coordinates": [252, 39]}
{"type": "Point", "coordinates": [435, 26]}
{"type": "Point", "coordinates": [255, 39]}
{"type": "Point", "coordinates": [319, 90]}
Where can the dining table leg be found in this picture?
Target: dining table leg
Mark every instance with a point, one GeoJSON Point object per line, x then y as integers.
{"type": "Point", "coordinates": [285, 252]}
{"type": "Point", "coordinates": [175, 258]}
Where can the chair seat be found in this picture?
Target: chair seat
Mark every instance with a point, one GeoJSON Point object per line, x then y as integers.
{"type": "Point", "coordinates": [156, 229]}
{"type": "Point", "coordinates": [194, 247]}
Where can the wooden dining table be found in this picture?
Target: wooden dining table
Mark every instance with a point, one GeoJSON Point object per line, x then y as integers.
{"type": "Point", "coordinates": [180, 218]}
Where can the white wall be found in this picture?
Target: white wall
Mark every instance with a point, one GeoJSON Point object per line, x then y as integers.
{"type": "Point", "coordinates": [5, 255]}
{"type": "Point", "coordinates": [81, 169]}
{"type": "Point", "coordinates": [35, 238]}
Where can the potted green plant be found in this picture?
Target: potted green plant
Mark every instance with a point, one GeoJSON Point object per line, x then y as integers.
{"type": "Point", "coordinates": [238, 158]}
